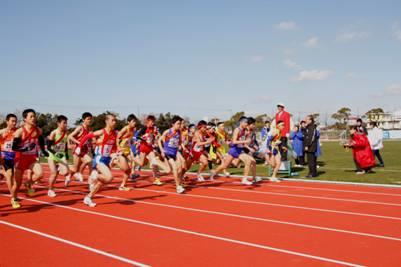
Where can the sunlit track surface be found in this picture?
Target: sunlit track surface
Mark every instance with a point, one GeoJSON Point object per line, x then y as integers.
{"type": "Point", "coordinates": [212, 224]}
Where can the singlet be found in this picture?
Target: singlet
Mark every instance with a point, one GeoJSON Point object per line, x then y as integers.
{"type": "Point", "coordinates": [242, 135]}
{"type": "Point", "coordinates": [109, 143]}
{"type": "Point", "coordinates": [60, 142]}
{"type": "Point", "coordinates": [28, 141]}
{"type": "Point", "coordinates": [172, 142]}
{"type": "Point", "coordinates": [7, 144]}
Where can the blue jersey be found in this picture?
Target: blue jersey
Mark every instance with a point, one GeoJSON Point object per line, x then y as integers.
{"type": "Point", "coordinates": [172, 142]}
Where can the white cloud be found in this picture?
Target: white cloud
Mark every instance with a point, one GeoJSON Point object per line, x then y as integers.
{"type": "Point", "coordinates": [349, 36]}
{"type": "Point", "coordinates": [291, 64]}
{"type": "Point", "coordinates": [393, 89]}
{"type": "Point", "coordinates": [397, 31]}
{"type": "Point", "coordinates": [311, 42]}
{"type": "Point", "coordinates": [313, 75]}
{"type": "Point", "coordinates": [257, 58]}
{"type": "Point", "coordinates": [286, 26]}
{"type": "Point", "coordinates": [351, 75]}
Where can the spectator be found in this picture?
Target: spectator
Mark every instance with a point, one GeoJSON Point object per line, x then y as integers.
{"type": "Point", "coordinates": [363, 155]}
{"type": "Point", "coordinates": [360, 127]}
{"type": "Point", "coordinates": [311, 146]}
{"type": "Point", "coordinates": [376, 141]}
{"type": "Point", "coordinates": [297, 141]}
{"type": "Point", "coordinates": [285, 117]}
{"type": "Point", "coordinates": [302, 127]}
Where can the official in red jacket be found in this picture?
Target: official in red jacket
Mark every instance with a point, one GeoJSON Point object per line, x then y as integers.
{"type": "Point", "coordinates": [361, 151]}
{"type": "Point", "coordinates": [284, 116]}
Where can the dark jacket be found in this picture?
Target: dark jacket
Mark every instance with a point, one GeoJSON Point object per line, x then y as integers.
{"type": "Point", "coordinates": [310, 138]}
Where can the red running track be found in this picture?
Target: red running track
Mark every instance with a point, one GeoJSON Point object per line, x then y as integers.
{"type": "Point", "coordinates": [217, 223]}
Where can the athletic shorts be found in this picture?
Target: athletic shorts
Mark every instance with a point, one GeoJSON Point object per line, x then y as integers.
{"type": "Point", "coordinates": [24, 162]}
{"type": "Point", "coordinates": [171, 156]}
{"type": "Point", "coordinates": [8, 159]}
{"type": "Point", "coordinates": [8, 164]}
{"type": "Point", "coordinates": [196, 155]}
{"type": "Point", "coordinates": [274, 151]}
{"type": "Point", "coordinates": [145, 149]}
{"type": "Point", "coordinates": [235, 152]}
{"type": "Point", "coordinates": [84, 151]}
{"type": "Point", "coordinates": [58, 157]}
{"type": "Point", "coordinates": [101, 159]}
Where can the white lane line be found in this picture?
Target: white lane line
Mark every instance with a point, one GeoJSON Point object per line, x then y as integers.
{"type": "Point", "coordinates": [65, 241]}
{"type": "Point", "coordinates": [304, 196]}
{"type": "Point", "coordinates": [274, 204]}
{"type": "Point", "coordinates": [243, 216]}
{"type": "Point", "coordinates": [229, 240]}
{"type": "Point", "coordinates": [333, 190]}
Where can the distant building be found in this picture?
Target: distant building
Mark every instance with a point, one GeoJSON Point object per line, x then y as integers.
{"type": "Point", "coordinates": [387, 120]}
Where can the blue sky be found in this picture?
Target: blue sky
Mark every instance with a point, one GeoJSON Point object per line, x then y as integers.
{"type": "Point", "coordinates": [199, 58]}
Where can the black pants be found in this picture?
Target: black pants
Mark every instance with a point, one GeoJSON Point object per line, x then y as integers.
{"type": "Point", "coordinates": [378, 156]}
{"type": "Point", "coordinates": [358, 169]}
{"type": "Point", "coordinates": [300, 160]}
{"type": "Point", "coordinates": [283, 152]}
{"type": "Point", "coordinates": [312, 163]}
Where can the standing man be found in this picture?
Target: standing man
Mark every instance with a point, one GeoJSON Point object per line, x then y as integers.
{"type": "Point", "coordinates": [285, 117]}
{"type": "Point", "coordinates": [310, 144]}
{"type": "Point", "coordinates": [376, 141]}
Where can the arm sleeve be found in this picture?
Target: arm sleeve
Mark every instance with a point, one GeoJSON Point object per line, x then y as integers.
{"type": "Point", "coordinates": [50, 144]}
{"type": "Point", "coordinates": [16, 145]}
{"type": "Point", "coordinates": [42, 145]}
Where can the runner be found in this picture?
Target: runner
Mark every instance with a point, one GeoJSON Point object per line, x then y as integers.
{"type": "Point", "coordinates": [223, 140]}
{"type": "Point", "coordinates": [84, 158]}
{"type": "Point", "coordinates": [106, 140]}
{"type": "Point", "coordinates": [8, 157]}
{"type": "Point", "coordinates": [239, 141]}
{"type": "Point", "coordinates": [273, 149]}
{"type": "Point", "coordinates": [125, 160]}
{"type": "Point", "coordinates": [25, 142]}
{"type": "Point", "coordinates": [198, 153]}
{"type": "Point", "coordinates": [169, 144]}
{"type": "Point", "coordinates": [57, 146]}
{"type": "Point", "coordinates": [148, 137]}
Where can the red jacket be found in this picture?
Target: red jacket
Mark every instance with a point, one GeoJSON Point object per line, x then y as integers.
{"type": "Point", "coordinates": [362, 151]}
{"type": "Point", "coordinates": [286, 118]}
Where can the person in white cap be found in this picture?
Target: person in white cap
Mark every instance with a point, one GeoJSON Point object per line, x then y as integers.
{"type": "Point", "coordinates": [285, 117]}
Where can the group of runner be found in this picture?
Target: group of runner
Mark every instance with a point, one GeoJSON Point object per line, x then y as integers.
{"type": "Point", "coordinates": [173, 151]}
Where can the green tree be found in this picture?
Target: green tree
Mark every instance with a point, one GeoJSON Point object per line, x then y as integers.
{"type": "Point", "coordinates": [260, 120]}
{"type": "Point", "coordinates": [99, 121]}
{"type": "Point", "coordinates": [47, 122]}
{"type": "Point", "coordinates": [342, 116]}
{"type": "Point", "coordinates": [163, 122]}
{"type": "Point", "coordinates": [232, 122]}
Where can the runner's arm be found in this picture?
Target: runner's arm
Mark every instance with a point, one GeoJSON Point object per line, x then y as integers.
{"type": "Point", "coordinates": [71, 136]}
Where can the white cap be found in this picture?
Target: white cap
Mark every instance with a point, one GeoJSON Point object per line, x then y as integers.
{"type": "Point", "coordinates": [280, 104]}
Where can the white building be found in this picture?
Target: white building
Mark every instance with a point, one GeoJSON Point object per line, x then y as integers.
{"type": "Point", "coordinates": [387, 120]}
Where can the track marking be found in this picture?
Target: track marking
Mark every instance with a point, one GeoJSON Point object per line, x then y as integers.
{"type": "Point", "coordinates": [65, 241]}
{"type": "Point", "coordinates": [242, 216]}
{"type": "Point", "coordinates": [234, 241]}
{"type": "Point", "coordinates": [304, 196]}
{"type": "Point", "coordinates": [335, 190]}
{"type": "Point", "coordinates": [275, 205]}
